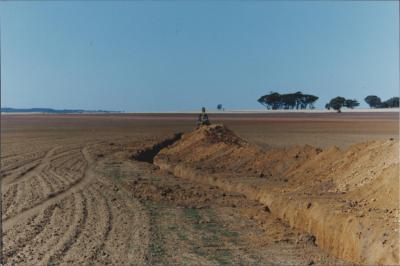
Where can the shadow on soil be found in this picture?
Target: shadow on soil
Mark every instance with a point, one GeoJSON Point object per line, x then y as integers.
{"type": "Point", "coordinates": [147, 155]}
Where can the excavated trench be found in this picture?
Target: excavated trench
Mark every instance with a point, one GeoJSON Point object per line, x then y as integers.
{"type": "Point", "coordinates": [343, 233]}
{"type": "Point", "coordinates": [147, 155]}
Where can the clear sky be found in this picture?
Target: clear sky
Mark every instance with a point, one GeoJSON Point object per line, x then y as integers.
{"type": "Point", "coordinates": [176, 55]}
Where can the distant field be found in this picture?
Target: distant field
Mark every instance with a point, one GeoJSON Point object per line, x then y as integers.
{"type": "Point", "coordinates": [274, 129]}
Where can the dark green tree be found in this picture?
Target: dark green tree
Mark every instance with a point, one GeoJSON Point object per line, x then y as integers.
{"type": "Point", "coordinates": [263, 101]}
{"type": "Point", "coordinates": [351, 103]}
{"type": "Point", "coordinates": [391, 103]}
{"type": "Point", "coordinates": [373, 101]}
{"type": "Point", "coordinates": [275, 100]}
{"type": "Point", "coordinates": [328, 106]}
{"type": "Point", "coordinates": [337, 103]}
{"type": "Point", "coordinates": [308, 100]}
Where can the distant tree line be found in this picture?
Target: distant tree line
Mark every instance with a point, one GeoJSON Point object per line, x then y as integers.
{"type": "Point", "coordinates": [296, 100]}
{"type": "Point", "coordinates": [375, 102]}
{"type": "Point", "coordinates": [52, 111]}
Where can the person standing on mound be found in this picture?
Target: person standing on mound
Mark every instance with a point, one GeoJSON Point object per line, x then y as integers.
{"type": "Point", "coordinates": [203, 118]}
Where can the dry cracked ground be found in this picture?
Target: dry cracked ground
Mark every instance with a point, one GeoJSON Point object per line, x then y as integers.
{"type": "Point", "coordinates": [75, 192]}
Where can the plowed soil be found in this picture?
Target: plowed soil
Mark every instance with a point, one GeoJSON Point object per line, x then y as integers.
{"type": "Point", "coordinates": [100, 189]}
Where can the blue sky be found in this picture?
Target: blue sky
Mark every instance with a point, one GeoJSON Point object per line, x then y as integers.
{"type": "Point", "coordinates": [176, 55]}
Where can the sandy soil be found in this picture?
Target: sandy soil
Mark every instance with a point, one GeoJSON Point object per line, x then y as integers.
{"type": "Point", "coordinates": [74, 191]}
{"type": "Point", "coordinates": [348, 200]}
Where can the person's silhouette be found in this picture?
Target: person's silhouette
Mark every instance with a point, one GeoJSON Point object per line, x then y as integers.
{"type": "Point", "coordinates": [203, 118]}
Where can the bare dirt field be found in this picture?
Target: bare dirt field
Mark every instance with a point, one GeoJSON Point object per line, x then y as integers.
{"type": "Point", "coordinates": [146, 189]}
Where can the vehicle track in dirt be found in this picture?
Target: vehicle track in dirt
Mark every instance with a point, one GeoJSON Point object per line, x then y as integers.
{"type": "Point", "coordinates": [63, 212]}
{"type": "Point", "coordinates": [30, 199]}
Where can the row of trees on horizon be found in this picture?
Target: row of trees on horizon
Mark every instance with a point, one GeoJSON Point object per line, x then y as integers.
{"type": "Point", "coordinates": [298, 100]}
{"type": "Point", "coordinates": [373, 101]}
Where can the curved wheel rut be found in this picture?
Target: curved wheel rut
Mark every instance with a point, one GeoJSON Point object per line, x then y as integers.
{"type": "Point", "coordinates": [31, 171]}
{"type": "Point", "coordinates": [45, 233]}
{"type": "Point", "coordinates": [92, 233]}
{"type": "Point", "coordinates": [79, 218]}
{"type": "Point", "coordinates": [24, 214]}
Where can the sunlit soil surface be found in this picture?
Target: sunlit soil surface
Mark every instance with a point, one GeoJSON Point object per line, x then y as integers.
{"type": "Point", "coordinates": [73, 192]}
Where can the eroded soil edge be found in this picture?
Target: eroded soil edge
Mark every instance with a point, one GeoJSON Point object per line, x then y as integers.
{"type": "Point", "coordinates": [334, 195]}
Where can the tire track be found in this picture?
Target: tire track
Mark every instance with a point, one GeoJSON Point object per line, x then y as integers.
{"type": "Point", "coordinates": [19, 171]}
{"type": "Point", "coordinates": [69, 238]}
{"type": "Point", "coordinates": [62, 160]}
{"type": "Point", "coordinates": [47, 241]}
{"type": "Point", "coordinates": [127, 241]}
{"type": "Point", "coordinates": [53, 180]}
{"type": "Point", "coordinates": [61, 180]}
{"type": "Point", "coordinates": [14, 205]}
{"type": "Point", "coordinates": [31, 195]}
{"type": "Point", "coordinates": [108, 226]}
{"type": "Point", "coordinates": [70, 163]}
{"type": "Point", "coordinates": [8, 198]}
{"type": "Point", "coordinates": [78, 166]}
{"type": "Point", "coordinates": [32, 170]}
{"type": "Point", "coordinates": [93, 232]}
{"type": "Point", "coordinates": [49, 182]}
{"type": "Point", "coordinates": [45, 184]}
{"type": "Point", "coordinates": [13, 163]}
{"type": "Point", "coordinates": [87, 178]}
{"type": "Point", "coordinates": [63, 153]}
{"type": "Point", "coordinates": [93, 226]}
{"type": "Point", "coordinates": [23, 234]}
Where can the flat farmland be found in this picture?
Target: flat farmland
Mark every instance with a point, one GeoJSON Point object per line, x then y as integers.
{"type": "Point", "coordinates": [110, 189]}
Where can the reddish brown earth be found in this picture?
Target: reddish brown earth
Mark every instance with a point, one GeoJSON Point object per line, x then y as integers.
{"type": "Point", "coordinates": [74, 192]}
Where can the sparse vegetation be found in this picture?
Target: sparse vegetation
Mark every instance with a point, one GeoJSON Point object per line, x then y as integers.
{"type": "Point", "coordinates": [116, 174]}
{"type": "Point", "coordinates": [212, 234]}
{"type": "Point", "coordinates": [192, 214]}
{"type": "Point", "coordinates": [156, 246]}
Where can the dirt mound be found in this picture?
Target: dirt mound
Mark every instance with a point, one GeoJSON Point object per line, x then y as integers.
{"type": "Point", "coordinates": [347, 199]}
{"type": "Point", "coordinates": [216, 147]}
